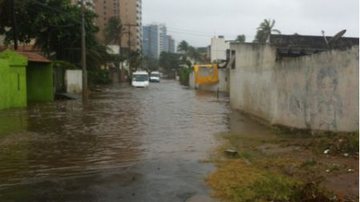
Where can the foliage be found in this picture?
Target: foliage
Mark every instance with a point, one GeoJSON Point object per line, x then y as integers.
{"type": "Point", "coordinates": [183, 47]}
{"type": "Point", "coordinates": [190, 54]}
{"type": "Point", "coordinates": [55, 26]}
{"type": "Point", "coordinates": [194, 54]}
{"type": "Point", "coordinates": [24, 31]}
{"type": "Point", "coordinates": [151, 63]}
{"type": "Point", "coordinates": [336, 143]}
{"type": "Point", "coordinates": [239, 181]}
{"type": "Point", "coordinates": [240, 38]}
{"type": "Point", "coordinates": [135, 59]}
{"type": "Point", "coordinates": [184, 74]}
{"type": "Point", "coordinates": [264, 31]}
{"type": "Point", "coordinates": [99, 76]}
{"type": "Point", "coordinates": [113, 31]}
{"type": "Point", "coordinates": [169, 61]}
{"type": "Point", "coordinates": [63, 64]}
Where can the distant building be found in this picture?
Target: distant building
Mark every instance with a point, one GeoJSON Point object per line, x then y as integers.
{"type": "Point", "coordinates": [171, 44]}
{"type": "Point", "coordinates": [218, 48]}
{"type": "Point", "coordinates": [131, 18]}
{"type": "Point", "coordinates": [130, 14]}
{"type": "Point", "coordinates": [156, 40]}
{"type": "Point", "coordinates": [151, 41]}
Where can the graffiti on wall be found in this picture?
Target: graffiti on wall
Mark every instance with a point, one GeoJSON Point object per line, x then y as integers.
{"type": "Point", "coordinates": [328, 102]}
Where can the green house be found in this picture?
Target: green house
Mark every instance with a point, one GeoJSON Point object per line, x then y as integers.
{"type": "Point", "coordinates": [39, 78]}
{"type": "Point", "coordinates": [12, 80]}
{"type": "Point", "coordinates": [24, 77]}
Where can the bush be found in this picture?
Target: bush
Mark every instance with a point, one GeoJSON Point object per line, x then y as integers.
{"type": "Point", "coordinates": [98, 76]}
{"type": "Point", "coordinates": [184, 74]}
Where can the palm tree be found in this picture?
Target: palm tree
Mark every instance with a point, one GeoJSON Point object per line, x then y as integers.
{"type": "Point", "coordinates": [183, 47]}
{"type": "Point", "coordinates": [113, 31]}
{"type": "Point", "coordinates": [264, 31]}
{"type": "Point", "coordinates": [194, 54]}
{"type": "Point", "coordinates": [240, 38]}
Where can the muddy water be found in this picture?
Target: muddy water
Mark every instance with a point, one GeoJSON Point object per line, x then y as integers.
{"type": "Point", "coordinates": [125, 144]}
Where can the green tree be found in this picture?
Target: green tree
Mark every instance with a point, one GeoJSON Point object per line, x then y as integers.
{"type": "Point", "coordinates": [264, 31]}
{"type": "Point", "coordinates": [135, 59]}
{"type": "Point", "coordinates": [169, 61]}
{"type": "Point", "coordinates": [240, 38]}
{"type": "Point", "coordinates": [113, 31]}
{"type": "Point", "coordinates": [151, 63]}
{"type": "Point", "coordinates": [24, 34]}
{"type": "Point", "coordinates": [183, 47]}
{"type": "Point", "coordinates": [55, 26]}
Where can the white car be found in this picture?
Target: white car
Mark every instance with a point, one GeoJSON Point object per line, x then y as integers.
{"type": "Point", "coordinates": [140, 79]}
{"type": "Point", "coordinates": [155, 76]}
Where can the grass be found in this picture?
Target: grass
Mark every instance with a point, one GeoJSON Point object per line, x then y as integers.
{"type": "Point", "coordinates": [240, 182]}
{"type": "Point", "coordinates": [289, 176]}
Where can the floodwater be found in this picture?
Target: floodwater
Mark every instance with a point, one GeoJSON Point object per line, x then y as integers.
{"type": "Point", "coordinates": [125, 144]}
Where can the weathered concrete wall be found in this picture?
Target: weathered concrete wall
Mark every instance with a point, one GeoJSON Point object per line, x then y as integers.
{"type": "Point", "coordinates": [222, 86]}
{"type": "Point", "coordinates": [318, 92]}
{"type": "Point", "coordinates": [73, 81]}
{"type": "Point", "coordinates": [251, 86]}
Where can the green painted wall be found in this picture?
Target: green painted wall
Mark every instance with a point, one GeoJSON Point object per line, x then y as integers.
{"type": "Point", "coordinates": [12, 80]}
{"type": "Point", "coordinates": [40, 84]}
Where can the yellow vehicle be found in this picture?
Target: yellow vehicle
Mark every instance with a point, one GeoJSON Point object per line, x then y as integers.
{"type": "Point", "coordinates": [206, 74]}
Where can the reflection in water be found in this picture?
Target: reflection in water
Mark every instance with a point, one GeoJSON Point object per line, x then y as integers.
{"type": "Point", "coordinates": [136, 139]}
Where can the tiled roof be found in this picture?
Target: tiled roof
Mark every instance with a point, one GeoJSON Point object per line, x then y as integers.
{"type": "Point", "coordinates": [34, 57]}
{"type": "Point", "coordinates": [30, 52]}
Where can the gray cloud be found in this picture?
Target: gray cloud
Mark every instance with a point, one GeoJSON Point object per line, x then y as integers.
{"type": "Point", "coordinates": [196, 21]}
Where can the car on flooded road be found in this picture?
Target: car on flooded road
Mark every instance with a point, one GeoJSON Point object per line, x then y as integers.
{"type": "Point", "coordinates": [155, 76]}
{"type": "Point", "coordinates": [140, 79]}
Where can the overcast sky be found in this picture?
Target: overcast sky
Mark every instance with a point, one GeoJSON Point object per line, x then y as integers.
{"type": "Point", "coordinates": [196, 21]}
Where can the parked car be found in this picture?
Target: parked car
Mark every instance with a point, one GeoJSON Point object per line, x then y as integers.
{"type": "Point", "coordinates": [140, 79]}
{"type": "Point", "coordinates": [155, 76]}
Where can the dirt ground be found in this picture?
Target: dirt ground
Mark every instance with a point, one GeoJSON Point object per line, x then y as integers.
{"type": "Point", "coordinates": [328, 162]}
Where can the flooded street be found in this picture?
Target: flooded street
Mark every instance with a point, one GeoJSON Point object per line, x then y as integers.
{"type": "Point", "coordinates": [125, 144]}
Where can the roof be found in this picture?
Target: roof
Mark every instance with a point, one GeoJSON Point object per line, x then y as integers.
{"type": "Point", "coordinates": [297, 45]}
{"type": "Point", "coordinates": [34, 57]}
{"type": "Point", "coordinates": [29, 51]}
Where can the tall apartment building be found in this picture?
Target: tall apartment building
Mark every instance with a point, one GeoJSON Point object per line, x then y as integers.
{"type": "Point", "coordinates": [130, 14]}
{"type": "Point", "coordinates": [156, 40]}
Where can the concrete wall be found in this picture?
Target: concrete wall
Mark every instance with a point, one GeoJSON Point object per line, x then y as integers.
{"type": "Point", "coordinates": [318, 92]}
{"type": "Point", "coordinates": [73, 81]}
{"type": "Point", "coordinates": [251, 87]}
{"type": "Point", "coordinates": [222, 86]}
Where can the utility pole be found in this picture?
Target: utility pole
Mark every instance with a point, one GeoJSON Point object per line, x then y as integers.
{"type": "Point", "coordinates": [14, 25]}
{"type": "Point", "coordinates": [83, 53]}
